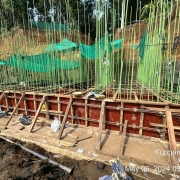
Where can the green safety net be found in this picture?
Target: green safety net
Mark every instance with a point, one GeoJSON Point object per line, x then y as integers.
{"type": "Point", "coordinates": [52, 26]}
{"type": "Point", "coordinates": [117, 44]}
{"type": "Point", "coordinates": [2, 62]}
{"type": "Point", "coordinates": [141, 45]}
{"type": "Point", "coordinates": [98, 49]}
{"type": "Point", "coordinates": [65, 45]}
{"type": "Point", "coordinates": [40, 63]}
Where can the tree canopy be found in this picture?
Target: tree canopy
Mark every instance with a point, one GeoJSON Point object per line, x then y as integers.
{"type": "Point", "coordinates": [78, 12]}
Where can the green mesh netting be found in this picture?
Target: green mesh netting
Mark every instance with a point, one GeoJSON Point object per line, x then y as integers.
{"type": "Point", "coordinates": [65, 45]}
{"type": "Point", "coordinates": [97, 50]}
{"type": "Point", "coordinates": [40, 63]}
{"type": "Point", "coordinates": [141, 46]}
{"type": "Point", "coordinates": [2, 62]}
{"type": "Point", "coordinates": [117, 44]}
{"type": "Point", "coordinates": [52, 26]}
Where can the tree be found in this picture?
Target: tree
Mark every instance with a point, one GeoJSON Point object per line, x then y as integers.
{"type": "Point", "coordinates": [154, 7]}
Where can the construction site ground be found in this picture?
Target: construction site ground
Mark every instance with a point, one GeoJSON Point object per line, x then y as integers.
{"type": "Point", "coordinates": [146, 154]}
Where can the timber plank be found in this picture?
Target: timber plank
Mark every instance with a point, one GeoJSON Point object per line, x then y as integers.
{"type": "Point", "coordinates": [37, 113]}
{"type": "Point", "coordinates": [172, 139]}
{"type": "Point", "coordinates": [17, 105]}
{"type": "Point", "coordinates": [123, 137]}
{"type": "Point", "coordinates": [101, 121]}
{"type": "Point", "coordinates": [64, 119]}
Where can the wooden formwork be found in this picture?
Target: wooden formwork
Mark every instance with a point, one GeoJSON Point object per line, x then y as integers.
{"type": "Point", "coordinates": [135, 116]}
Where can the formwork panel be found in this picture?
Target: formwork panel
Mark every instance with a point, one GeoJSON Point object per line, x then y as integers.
{"type": "Point", "coordinates": [11, 100]}
{"type": "Point", "coordinates": [176, 122]}
{"type": "Point", "coordinates": [30, 104]}
{"type": "Point", "coordinates": [113, 116]}
{"type": "Point", "coordinates": [151, 118]}
{"type": "Point", "coordinates": [132, 116]}
{"type": "Point", "coordinates": [79, 110]}
{"type": "Point", "coordinates": [64, 106]}
{"type": "Point", "coordinates": [3, 102]}
{"type": "Point", "coordinates": [94, 112]}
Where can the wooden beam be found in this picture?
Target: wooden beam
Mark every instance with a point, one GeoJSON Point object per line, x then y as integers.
{"type": "Point", "coordinates": [115, 95]}
{"type": "Point", "coordinates": [25, 105]}
{"type": "Point", "coordinates": [141, 122]}
{"type": "Point", "coordinates": [69, 92]}
{"type": "Point", "coordinates": [161, 98]}
{"type": "Point", "coordinates": [164, 122]}
{"type": "Point", "coordinates": [37, 113]}
{"type": "Point", "coordinates": [163, 109]}
{"type": "Point", "coordinates": [86, 112]}
{"type": "Point", "coordinates": [102, 92]}
{"type": "Point", "coordinates": [121, 117]}
{"type": "Point", "coordinates": [47, 108]}
{"type": "Point", "coordinates": [163, 126]}
{"type": "Point", "coordinates": [1, 97]}
{"type": "Point", "coordinates": [135, 96]}
{"type": "Point", "coordinates": [59, 108]}
{"type": "Point", "coordinates": [7, 102]}
{"type": "Point", "coordinates": [101, 121]}
{"type": "Point", "coordinates": [123, 138]}
{"type": "Point", "coordinates": [35, 102]}
{"type": "Point", "coordinates": [15, 98]}
{"type": "Point", "coordinates": [17, 105]}
{"type": "Point", "coordinates": [90, 89]}
{"type": "Point", "coordinates": [172, 139]}
{"type": "Point", "coordinates": [72, 114]}
{"type": "Point", "coordinates": [64, 119]}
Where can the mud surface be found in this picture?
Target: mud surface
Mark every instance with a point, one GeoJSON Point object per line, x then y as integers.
{"type": "Point", "coordinates": [18, 164]}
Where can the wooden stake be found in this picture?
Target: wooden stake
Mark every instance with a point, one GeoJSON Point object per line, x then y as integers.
{"type": "Point", "coordinates": [123, 137]}
{"type": "Point", "coordinates": [47, 109]}
{"type": "Point", "coordinates": [64, 119]}
{"type": "Point", "coordinates": [162, 99]}
{"type": "Point", "coordinates": [7, 102]}
{"type": "Point", "coordinates": [59, 108]}
{"type": "Point", "coordinates": [86, 112]}
{"type": "Point", "coordinates": [25, 105]}
{"type": "Point", "coordinates": [135, 96]}
{"type": "Point", "coordinates": [172, 139]}
{"type": "Point", "coordinates": [17, 105]}
{"type": "Point", "coordinates": [15, 98]}
{"type": "Point", "coordinates": [141, 122]}
{"type": "Point", "coordinates": [72, 114]}
{"type": "Point", "coordinates": [35, 102]}
{"type": "Point", "coordinates": [121, 117]}
{"type": "Point", "coordinates": [115, 95]}
{"type": "Point", "coordinates": [37, 113]}
{"type": "Point", "coordinates": [101, 121]}
{"type": "Point", "coordinates": [2, 96]}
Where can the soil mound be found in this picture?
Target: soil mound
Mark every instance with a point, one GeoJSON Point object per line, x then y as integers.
{"type": "Point", "coordinates": [17, 164]}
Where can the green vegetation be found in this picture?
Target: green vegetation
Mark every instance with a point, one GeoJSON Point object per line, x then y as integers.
{"type": "Point", "coordinates": [96, 60]}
